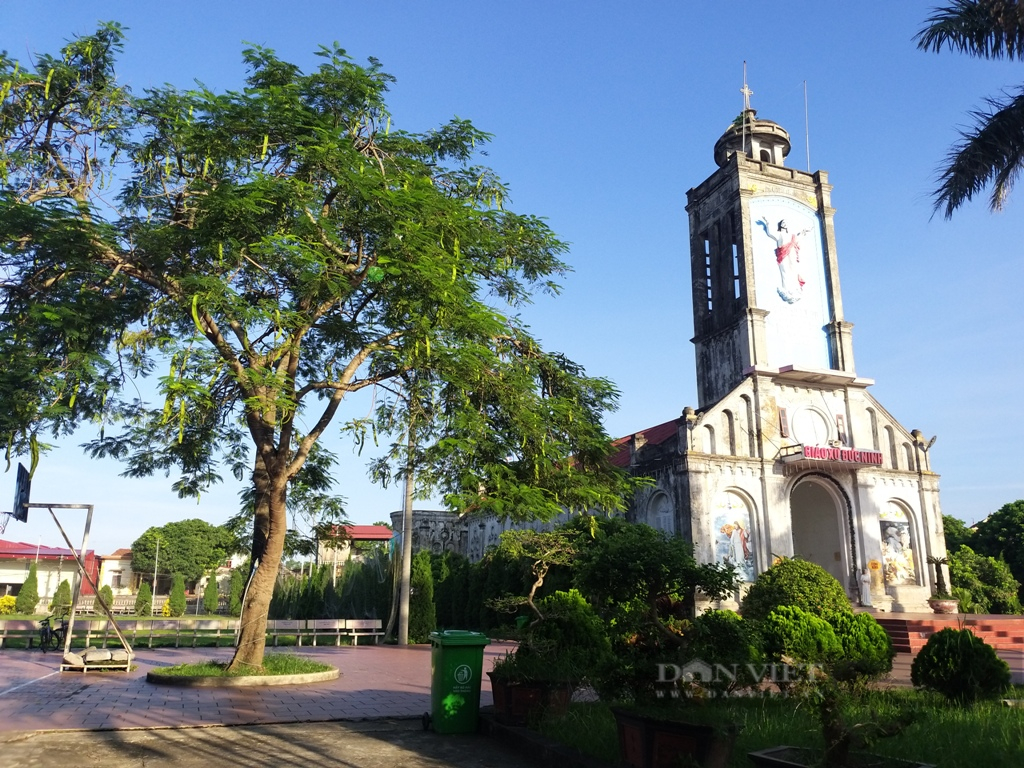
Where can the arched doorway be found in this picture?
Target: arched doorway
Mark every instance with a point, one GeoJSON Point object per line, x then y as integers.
{"type": "Point", "coordinates": [817, 519]}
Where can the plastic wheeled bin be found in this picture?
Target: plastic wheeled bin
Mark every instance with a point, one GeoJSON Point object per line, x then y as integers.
{"type": "Point", "coordinates": [456, 670]}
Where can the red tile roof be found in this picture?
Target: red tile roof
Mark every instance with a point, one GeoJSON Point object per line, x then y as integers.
{"type": "Point", "coordinates": [14, 549]}
{"type": "Point", "coordinates": [655, 435]}
{"type": "Point", "coordinates": [367, 532]}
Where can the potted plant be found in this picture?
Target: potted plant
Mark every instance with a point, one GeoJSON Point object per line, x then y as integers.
{"type": "Point", "coordinates": [528, 686]}
{"type": "Point", "coordinates": [941, 601]}
{"type": "Point", "coordinates": [650, 737]}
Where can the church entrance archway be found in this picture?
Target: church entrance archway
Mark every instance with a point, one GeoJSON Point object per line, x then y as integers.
{"type": "Point", "coordinates": [817, 518]}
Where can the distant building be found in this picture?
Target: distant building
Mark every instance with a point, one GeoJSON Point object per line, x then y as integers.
{"type": "Point", "coordinates": [342, 544]}
{"type": "Point", "coordinates": [53, 565]}
{"type": "Point", "coordinates": [116, 572]}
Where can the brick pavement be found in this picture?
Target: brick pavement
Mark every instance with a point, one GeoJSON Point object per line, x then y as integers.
{"type": "Point", "coordinates": [375, 682]}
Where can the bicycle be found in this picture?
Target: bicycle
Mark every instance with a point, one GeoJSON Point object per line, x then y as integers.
{"type": "Point", "coordinates": [51, 638]}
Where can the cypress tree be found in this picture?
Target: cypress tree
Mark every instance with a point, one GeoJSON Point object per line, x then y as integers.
{"type": "Point", "coordinates": [144, 600]}
{"type": "Point", "coordinates": [211, 597]}
{"type": "Point", "coordinates": [28, 597]}
{"type": "Point", "coordinates": [235, 594]}
{"type": "Point", "coordinates": [61, 602]}
{"type": "Point", "coordinates": [177, 601]}
{"type": "Point", "coordinates": [108, 596]}
{"type": "Point", "coordinates": [422, 614]}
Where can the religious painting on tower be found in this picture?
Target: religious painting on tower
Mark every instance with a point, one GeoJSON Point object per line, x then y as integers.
{"type": "Point", "coordinates": [733, 542]}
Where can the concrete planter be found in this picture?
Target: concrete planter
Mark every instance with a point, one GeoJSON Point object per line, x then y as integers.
{"type": "Point", "coordinates": [944, 605]}
{"type": "Point", "coordinates": [802, 757]}
{"type": "Point", "coordinates": [519, 702]}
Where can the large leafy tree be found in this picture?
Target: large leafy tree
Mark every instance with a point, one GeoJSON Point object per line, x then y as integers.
{"type": "Point", "coordinates": [991, 151]}
{"type": "Point", "coordinates": [189, 548]}
{"type": "Point", "coordinates": [1001, 535]}
{"type": "Point", "coordinates": [272, 251]}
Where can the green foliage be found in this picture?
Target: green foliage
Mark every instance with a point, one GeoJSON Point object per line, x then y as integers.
{"type": "Point", "coordinates": [797, 583]}
{"type": "Point", "coordinates": [1001, 535]}
{"type": "Point", "coordinates": [108, 595]}
{"type": "Point", "coordinates": [956, 532]}
{"type": "Point", "coordinates": [176, 601]}
{"type": "Point", "coordinates": [28, 596]}
{"type": "Point", "coordinates": [983, 584]}
{"type": "Point", "coordinates": [724, 637]}
{"type": "Point", "coordinates": [569, 644]}
{"type": "Point", "coordinates": [360, 590]}
{"type": "Point", "coordinates": [272, 249]}
{"type": "Point", "coordinates": [422, 617]}
{"type": "Point", "coordinates": [961, 666]}
{"type": "Point", "coordinates": [144, 600]}
{"type": "Point", "coordinates": [8, 604]}
{"type": "Point", "coordinates": [235, 590]}
{"type": "Point", "coordinates": [867, 648]}
{"type": "Point", "coordinates": [793, 632]}
{"type": "Point", "coordinates": [451, 573]}
{"type": "Point", "coordinates": [188, 547]}
{"type": "Point", "coordinates": [642, 584]}
{"type": "Point", "coordinates": [211, 597]}
{"type": "Point", "coordinates": [988, 154]}
{"type": "Point", "coordinates": [61, 602]}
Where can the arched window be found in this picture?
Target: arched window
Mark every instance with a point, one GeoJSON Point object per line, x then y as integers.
{"type": "Point", "coordinates": [766, 156]}
{"type": "Point", "coordinates": [709, 439]}
{"type": "Point", "coordinates": [874, 428]}
{"type": "Point", "coordinates": [909, 450]}
{"type": "Point", "coordinates": [748, 425]}
{"type": "Point", "coordinates": [730, 430]}
{"type": "Point", "coordinates": [890, 440]}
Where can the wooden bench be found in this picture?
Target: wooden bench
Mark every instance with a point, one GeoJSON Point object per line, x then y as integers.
{"type": "Point", "coordinates": [18, 630]}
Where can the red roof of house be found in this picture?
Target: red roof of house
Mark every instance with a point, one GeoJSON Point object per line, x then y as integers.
{"type": "Point", "coordinates": [366, 532]}
{"type": "Point", "coordinates": [15, 549]}
{"type": "Point", "coordinates": [653, 435]}
{"type": "Point", "coordinates": [119, 554]}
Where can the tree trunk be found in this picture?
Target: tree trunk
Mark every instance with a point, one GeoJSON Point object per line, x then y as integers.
{"type": "Point", "coordinates": [271, 502]}
{"type": "Point", "coordinates": [406, 583]}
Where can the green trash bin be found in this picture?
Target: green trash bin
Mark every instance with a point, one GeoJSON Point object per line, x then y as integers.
{"type": "Point", "coordinates": [456, 670]}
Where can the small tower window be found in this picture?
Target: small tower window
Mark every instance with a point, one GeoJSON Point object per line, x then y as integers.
{"type": "Point", "coordinates": [766, 156]}
{"type": "Point", "coordinates": [735, 271]}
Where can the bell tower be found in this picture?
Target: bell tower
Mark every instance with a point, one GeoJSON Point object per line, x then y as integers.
{"type": "Point", "coordinates": [766, 293]}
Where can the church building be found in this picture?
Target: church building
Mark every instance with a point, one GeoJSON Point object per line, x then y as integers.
{"type": "Point", "coordinates": [787, 453]}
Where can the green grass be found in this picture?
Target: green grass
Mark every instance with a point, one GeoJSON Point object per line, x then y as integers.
{"type": "Point", "coordinates": [273, 664]}
{"type": "Point", "coordinates": [987, 734]}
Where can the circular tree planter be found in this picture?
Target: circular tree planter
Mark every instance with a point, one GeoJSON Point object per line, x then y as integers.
{"type": "Point", "coordinates": [240, 681]}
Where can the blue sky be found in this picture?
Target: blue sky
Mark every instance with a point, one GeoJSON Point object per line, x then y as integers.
{"type": "Point", "coordinates": [604, 115]}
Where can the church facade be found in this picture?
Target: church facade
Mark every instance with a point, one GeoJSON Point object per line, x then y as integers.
{"type": "Point", "coordinates": [787, 453]}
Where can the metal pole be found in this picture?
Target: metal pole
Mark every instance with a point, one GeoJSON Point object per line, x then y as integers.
{"type": "Point", "coordinates": [156, 563]}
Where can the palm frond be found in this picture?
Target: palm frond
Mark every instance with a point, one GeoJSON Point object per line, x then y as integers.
{"type": "Point", "coordinates": [992, 152]}
{"type": "Point", "coordinates": [989, 29]}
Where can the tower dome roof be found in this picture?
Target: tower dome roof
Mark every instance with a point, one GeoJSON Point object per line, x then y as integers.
{"type": "Point", "coordinates": [759, 139]}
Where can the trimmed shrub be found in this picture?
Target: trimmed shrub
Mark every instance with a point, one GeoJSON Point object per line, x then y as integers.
{"type": "Point", "coordinates": [961, 666]}
{"type": "Point", "coordinates": [723, 637]}
{"type": "Point", "coordinates": [797, 583]}
{"type": "Point", "coordinates": [28, 597]}
{"type": "Point", "coordinates": [108, 596]}
{"type": "Point", "coordinates": [211, 597]}
{"type": "Point", "coordinates": [7, 605]}
{"type": "Point", "coordinates": [176, 602]}
{"type": "Point", "coordinates": [144, 600]}
{"type": "Point", "coordinates": [867, 648]}
{"type": "Point", "coordinates": [791, 631]}
{"type": "Point", "coordinates": [237, 587]}
{"type": "Point", "coordinates": [61, 603]}
{"type": "Point", "coordinates": [422, 617]}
